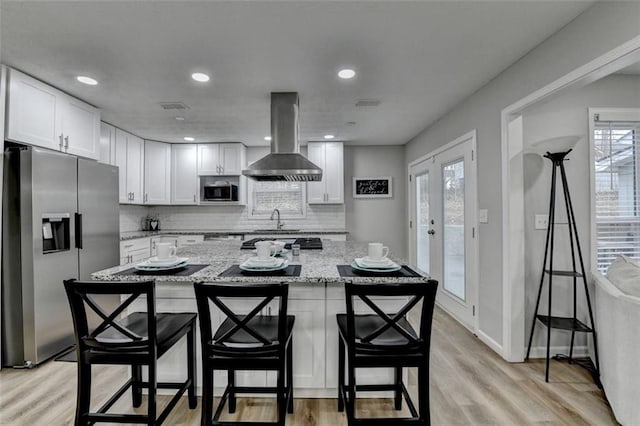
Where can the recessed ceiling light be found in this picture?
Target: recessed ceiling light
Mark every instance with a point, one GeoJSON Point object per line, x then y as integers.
{"type": "Point", "coordinates": [189, 139]}
{"type": "Point", "coordinates": [180, 118]}
{"type": "Point", "coordinates": [267, 138]}
{"type": "Point", "coordinates": [346, 73]}
{"type": "Point", "coordinates": [329, 136]}
{"type": "Point", "coordinates": [201, 77]}
{"type": "Point", "coordinates": [87, 80]}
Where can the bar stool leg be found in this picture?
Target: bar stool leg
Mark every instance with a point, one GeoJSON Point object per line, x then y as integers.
{"type": "Point", "coordinates": [84, 392]}
{"type": "Point", "coordinates": [136, 389]}
{"type": "Point", "coordinates": [340, 374]}
{"type": "Point", "coordinates": [151, 397]}
{"type": "Point", "coordinates": [281, 396]}
{"type": "Point", "coordinates": [191, 366]}
{"type": "Point", "coordinates": [351, 393]}
{"type": "Point", "coordinates": [231, 380]}
{"type": "Point", "coordinates": [290, 376]}
{"type": "Point", "coordinates": [423, 394]}
{"type": "Point", "coordinates": [398, 390]}
{"type": "Point", "coordinates": [207, 394]}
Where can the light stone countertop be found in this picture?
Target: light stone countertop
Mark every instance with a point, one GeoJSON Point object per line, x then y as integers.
{"type": "Point", "coordinates": [130, 235]}
{"type": "Point", "coordinates": [318, 266]}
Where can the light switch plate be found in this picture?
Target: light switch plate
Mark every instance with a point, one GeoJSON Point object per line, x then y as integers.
{"type": "Point", "coordinates": [542, 221]}
{"type": "Point", "coordinates": [483, 216]}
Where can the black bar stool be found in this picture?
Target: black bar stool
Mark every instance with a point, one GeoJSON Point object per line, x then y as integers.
{"type": "Point", "coordinates": [137, 339]}
{"type": "Point", "coordinates": [386, 340]}
{"type": "Point", "coordinates": [245, 342]}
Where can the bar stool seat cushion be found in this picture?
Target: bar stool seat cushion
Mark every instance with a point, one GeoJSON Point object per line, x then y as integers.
{"type": "Point", "coordinates": [366, 324]}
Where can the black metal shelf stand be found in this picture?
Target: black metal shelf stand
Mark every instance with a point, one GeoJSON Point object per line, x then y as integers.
{"type": "Point", "coordinates": [548, 271]}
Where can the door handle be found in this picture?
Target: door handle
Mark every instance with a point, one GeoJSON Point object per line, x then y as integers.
{"type": "Point", "coordinates": [431, 232]}
{"type": "Point", "coordinates": [66, 143]}
{"type": "Point", "coordinates": [194, 198]}
{"type": "Point", "coordinates": [78, 220]}
{"type": "Point", "coordinates": [146, 197]}
{"type": "Point", "coordinates": [61, 143]}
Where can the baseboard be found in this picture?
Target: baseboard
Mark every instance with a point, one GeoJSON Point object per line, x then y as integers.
{"type": "Point", "coordinates": [489, 341]}
{"type": "Point", "coordinates": [541, 351]}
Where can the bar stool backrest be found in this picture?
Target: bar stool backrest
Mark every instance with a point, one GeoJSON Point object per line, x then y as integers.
{"type": "Point", "coordinates": [110, 335]}
{"type": "Point", "coordinates": [425, 292]}
{"type": "Point", "coordinates": [265, 293]}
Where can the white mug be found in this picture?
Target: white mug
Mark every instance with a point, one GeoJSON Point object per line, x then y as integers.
{"type": "Point", "coordinates": [263, 248]}
{"type": "Point", "coordinates": [165, 250]}
{"type": "Point", "coordinates": [378, 251]}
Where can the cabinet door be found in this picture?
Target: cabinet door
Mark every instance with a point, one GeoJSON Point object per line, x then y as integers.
{"type": "Point", "coordinates": [208, 159]}
{"type": "Point", "coordinates": [231, 158]}
{"type": "Point", "coordinates": [81, 126]}
{"type": "Point", "coordinates": [34, 112]}
{"type": "Point", "coordinates": [316, 190]}
{"type": "Point", "coordinates": [135, 168]}
{"type": "Point", "coordinates": [107, 148]}
{"type": "Point", "coordinates": [121, 162]}
{"type": "Point", "coordinates": [333, 173]}
{"type": "Point", "coordinates": [308, 344]}
{"type": "Point", "coordinates": [184, 179]}
{"type": "Point", "coordinates": [157, 173]}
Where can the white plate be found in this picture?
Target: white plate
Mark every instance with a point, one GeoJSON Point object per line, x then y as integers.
{"type": "Point", "coordinates": [142, 267]}
{"type": "Point", "coordinates": [256, 262]}
{"type": "Point", "coordinates": [366, 262]}
{"type": "Point", "coordinates": [154, 261]}
{"type": "Point", "coordinates": [249, 268]}
{"type": "Point", "coordinates": [354, 265]}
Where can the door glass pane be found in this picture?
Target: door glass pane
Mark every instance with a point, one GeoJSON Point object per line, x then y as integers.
{"type": "Point", "coordinates": [422, 219]}
{"type": "Point", "coordinates": [453, 238]}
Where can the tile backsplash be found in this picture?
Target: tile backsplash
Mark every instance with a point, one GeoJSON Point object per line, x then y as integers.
{"type": "Point", "coordinates": [227, 218]}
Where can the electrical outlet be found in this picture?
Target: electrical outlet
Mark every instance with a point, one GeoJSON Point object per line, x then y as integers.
{"type": "Point", "coordinates": [542, 221]}
{"type": "Point", "coordinates": [483, 216]}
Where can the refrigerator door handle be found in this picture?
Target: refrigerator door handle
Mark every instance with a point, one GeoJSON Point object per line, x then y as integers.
{"type": "Point", "coordinates": [78, 230]}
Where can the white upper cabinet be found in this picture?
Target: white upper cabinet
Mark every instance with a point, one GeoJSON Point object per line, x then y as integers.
{"type": "Point", "coordinates": [107, 148]}
{"type": "Point", "coordinates": [329, 156]}
{"type": "Point", "coordinates": [184, 178]}
{"type": "Point", "coordinates": [41, 115]}
{"type": "Point", "coordinates": [157, 173]}
{"type": "Point", "coordinates": [130, 161]}
{"type": "Point", "coordinates": [221, 159]}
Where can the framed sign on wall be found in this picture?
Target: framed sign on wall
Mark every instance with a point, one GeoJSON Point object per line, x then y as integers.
{"type": "Point", "coordinates": [372, 187]}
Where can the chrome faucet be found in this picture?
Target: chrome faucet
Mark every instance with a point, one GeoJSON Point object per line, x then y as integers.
{"type": "Point", "coordinates": [279, 224]}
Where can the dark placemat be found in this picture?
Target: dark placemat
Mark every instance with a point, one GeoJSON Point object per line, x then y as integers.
{"type": "Point", "coordinates": [182, 272]}
{"type": "Point", "coordinates": [235, 271]}
{"type": "Point", "coordinates": [346, 271]}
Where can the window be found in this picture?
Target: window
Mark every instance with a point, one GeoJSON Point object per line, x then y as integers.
{"type": "Point", "coordinates": [616, 162]}
{"type": "Point", "coordinates": [288, 197]}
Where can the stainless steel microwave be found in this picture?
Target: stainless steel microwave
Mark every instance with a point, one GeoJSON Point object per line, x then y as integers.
{"type": "Point", "coordinates": [220, 191]}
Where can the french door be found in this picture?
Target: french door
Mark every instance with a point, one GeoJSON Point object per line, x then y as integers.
{"type": "Point", "coordinates": [443, 225]}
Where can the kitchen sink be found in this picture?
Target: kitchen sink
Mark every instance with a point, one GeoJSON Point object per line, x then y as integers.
{"type": "Point", "coordinates": [277, 231]}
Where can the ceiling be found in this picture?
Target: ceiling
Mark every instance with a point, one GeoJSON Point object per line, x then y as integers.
{"type": "Point", "coordinates": [419, 59]}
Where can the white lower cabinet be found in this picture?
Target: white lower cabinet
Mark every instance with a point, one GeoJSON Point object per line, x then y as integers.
{"type": "Point", "coordinates": [132, 251]}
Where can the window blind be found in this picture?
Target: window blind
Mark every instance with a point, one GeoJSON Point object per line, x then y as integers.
{"type": "Point", "coordinates": [617, 190]}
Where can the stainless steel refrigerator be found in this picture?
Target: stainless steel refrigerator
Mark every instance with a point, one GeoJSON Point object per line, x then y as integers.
{"type": "Point", "coordinates": [60, 221]}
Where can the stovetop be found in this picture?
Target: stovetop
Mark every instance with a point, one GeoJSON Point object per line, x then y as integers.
{"type": "Point", "coordinates": [313, 243]}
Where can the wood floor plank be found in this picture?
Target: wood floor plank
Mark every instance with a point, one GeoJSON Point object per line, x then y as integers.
{"type": "Point", "coordinates": [469, 384]}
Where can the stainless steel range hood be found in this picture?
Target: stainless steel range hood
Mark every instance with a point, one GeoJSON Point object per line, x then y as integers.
{"type": "Point", "coordinates": [285, 161]}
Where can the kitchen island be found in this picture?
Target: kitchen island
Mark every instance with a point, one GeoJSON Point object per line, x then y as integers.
{"type": "Point", "coordinates": [315, 297]}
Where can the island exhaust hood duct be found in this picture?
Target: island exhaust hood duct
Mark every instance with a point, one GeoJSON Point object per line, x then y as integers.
{"type": "Point", "coordinates": [285, 161]}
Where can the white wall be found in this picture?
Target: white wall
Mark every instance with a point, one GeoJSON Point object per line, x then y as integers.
{"type": "Point", "coordinates": [598, 30]}
{"type": "Point", "coordinates": [565, 115]}
{"type": "Point", "coordinates": [378, 219]}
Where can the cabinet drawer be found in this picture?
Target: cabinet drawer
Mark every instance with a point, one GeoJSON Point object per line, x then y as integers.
{"type": "Point", "coordinates": [136, 244]}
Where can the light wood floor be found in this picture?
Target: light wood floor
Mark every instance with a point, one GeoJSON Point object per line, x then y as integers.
{"type": "Point", "coordinates": [470, 384]}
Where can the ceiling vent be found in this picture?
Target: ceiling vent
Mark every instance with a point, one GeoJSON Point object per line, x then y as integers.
{"type": "Point", "coordinates": [173, 106]}
{"type": "Point", "coordinates": [368, 103]}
